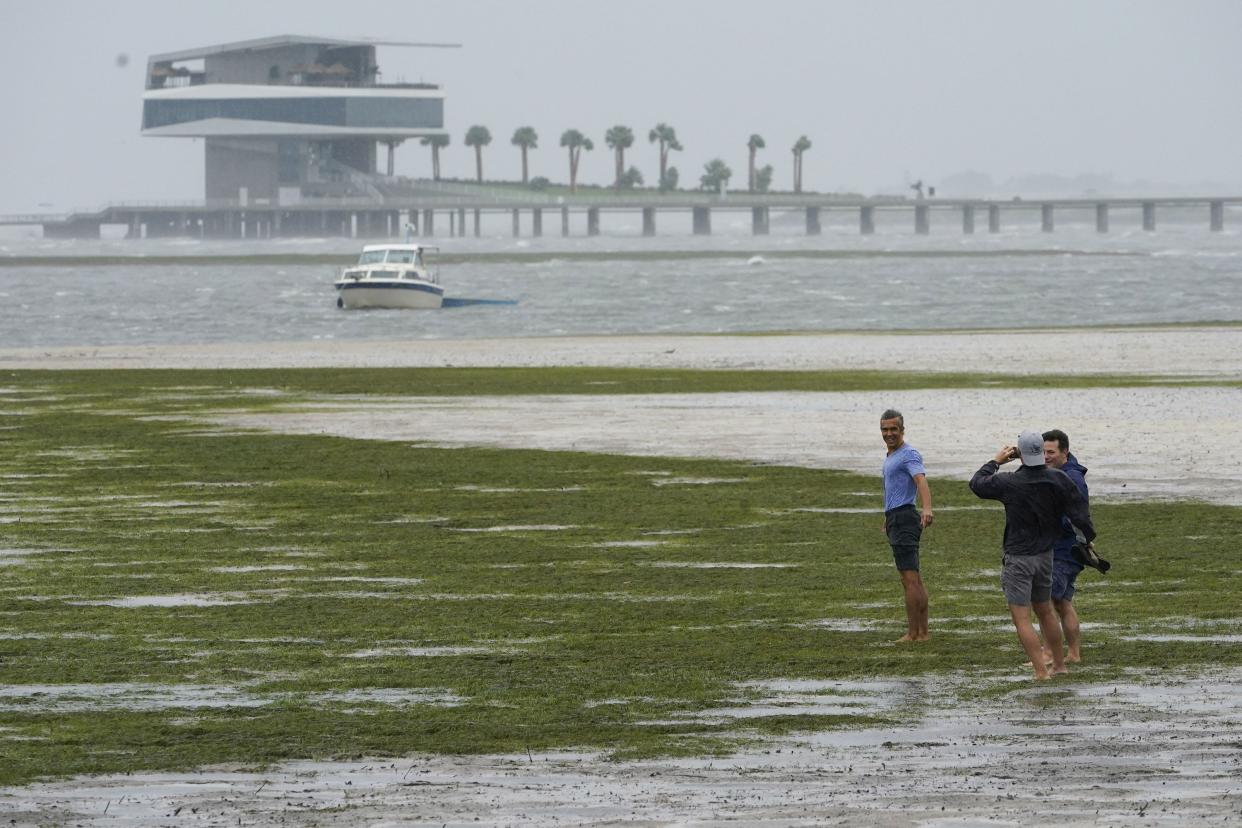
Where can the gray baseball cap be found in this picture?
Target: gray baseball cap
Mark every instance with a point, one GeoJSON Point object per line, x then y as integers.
{"type": "Point", "coordinates": [1031, 447]}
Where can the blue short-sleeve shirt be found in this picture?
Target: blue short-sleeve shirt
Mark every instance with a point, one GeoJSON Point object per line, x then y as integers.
{"type": "Point", "coordinates": [900, 467]}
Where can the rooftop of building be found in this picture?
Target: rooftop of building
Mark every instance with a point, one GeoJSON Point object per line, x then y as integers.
{"type": "Point", "coordinates": [279, 41]}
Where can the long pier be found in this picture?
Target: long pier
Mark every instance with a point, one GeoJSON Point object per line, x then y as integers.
{"type": "Point", "coordinates": [461, 215]}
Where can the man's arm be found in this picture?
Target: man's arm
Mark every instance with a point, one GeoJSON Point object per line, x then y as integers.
{"type": "Point", "coordinates": [984, 484]}
{"type": "Point", "coordinates": [1078, 512]}
{"type": "Point", "coordinates": [920, 483]}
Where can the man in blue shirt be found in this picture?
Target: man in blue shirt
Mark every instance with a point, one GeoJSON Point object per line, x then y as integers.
{"type": "Point", "coordinates": [904, 477]}
{"type": "Point", "coordinates": [1065, 567]}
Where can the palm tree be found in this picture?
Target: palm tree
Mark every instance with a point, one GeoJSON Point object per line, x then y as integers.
{"type": "Point", "coordinates": [716, 175]}
{"type": "Point", "coordinates": [576, 143]}
{"type": "Point", "coordinates": [667, 138]}
{"type": "Point", "coordinates": [620, 138]}
{"type": "Point", "coordinates": [800, 146]}
{"type": "Point", "coordinates": [754, 145]}
{"type": "Point", "coordinates": [526, 138]}
{"type": "Point", "coordinates": [435, 142]}
{"type": "Point", "coordinates": [763, 178]}
{"type": "Point", "coordinates": [478, 137]}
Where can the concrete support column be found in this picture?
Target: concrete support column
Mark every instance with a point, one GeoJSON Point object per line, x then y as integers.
{"type": "Point", "coordinates": [429, 222]}
{"type": "Point", "coordinates": [461, 221]}
{"type": "Point", "coordinates": [922, 220]}
{"type": "Point", "coordinates": [452, 224]}
{"type": "Point", "coordinates": [759, 221]}
{"type": "Point", "coordinates": [968, 218]}
{"type": "Point", "coordinates": [813, 227]}
{"type": "Point", "coordinates": [276, 223]}
{"type": "Point", "coordinates": [993, 218]}
{"type": "Point", "coordinates": [564, 221]}
{"type": "Point", "coordinates": [1149, 216]}
{"type": "Point", "coordinates": [1217, 209]}
{"type": "Point", "coordinates": [649, 227]}
{"type": "Point", "coordinates": [135, 228]}
{"type": "Point", "coordinates": [536, 221]}
{"type": "Point", "coordinates": [517, 223]}
{"type": "Point", "coordinates": [1101, 217]}
{"type": "Point", "coordinates": [866, 220]}
{"type": "Point", "coordinates": [478, 220]}
{"type": "Point", "coordinates": [592, 221]}
{"type": "Point", "coordinates": [1045, 218]}
{"type": "Point", "coordinates": [702, 220]}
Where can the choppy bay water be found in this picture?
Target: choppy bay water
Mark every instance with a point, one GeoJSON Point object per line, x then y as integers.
{"type": "Point", "coordinates": [890, 281]}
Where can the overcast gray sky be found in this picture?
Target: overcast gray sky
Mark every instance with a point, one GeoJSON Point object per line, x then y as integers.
{"type": "Point", "coordinates": [885, 90]}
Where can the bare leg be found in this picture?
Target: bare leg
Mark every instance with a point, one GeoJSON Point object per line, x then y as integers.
{"type": "Point", "coordinates": [916, 606]}
{"type": "Point", "coordinates": [1029, 639]}
{"type": "Point", "coordinates": [1069, 626]}
{"type": "Point", "coordinates": [1050, 626]}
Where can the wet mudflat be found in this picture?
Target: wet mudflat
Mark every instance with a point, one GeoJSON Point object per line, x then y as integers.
{"type": "Point", "coordinates": [202, 614]}
{"type": "Point", "coordinates": [1148, 750]}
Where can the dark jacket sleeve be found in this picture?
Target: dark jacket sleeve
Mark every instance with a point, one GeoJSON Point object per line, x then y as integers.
{"type": "Point", "coordinates": [1077, 511]}
{"type": "Point", "coordinates": [984, 484]}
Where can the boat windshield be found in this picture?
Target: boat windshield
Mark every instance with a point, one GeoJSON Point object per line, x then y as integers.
{"type": "Point", "coordinates": [371, 257]}
{"type": "Point", "coordinates": [401, 256]}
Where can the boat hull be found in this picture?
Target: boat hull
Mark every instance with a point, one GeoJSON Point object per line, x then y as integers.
{"type": "Point", "coordinates": [382, 293]}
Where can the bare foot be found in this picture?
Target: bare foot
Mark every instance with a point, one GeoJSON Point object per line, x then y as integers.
{"type": "Point", "coordinates": [908, 638]}
{"type": "Point", "coordinates": [1061, 672]}
{"type": "Point", "coordinates": [1044, 676]}
{"type": "Point", "coordinates": [1073, 658]}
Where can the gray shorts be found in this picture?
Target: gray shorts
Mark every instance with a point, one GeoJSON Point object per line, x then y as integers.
{"type": "Point", "coordinates": [1027, 579]}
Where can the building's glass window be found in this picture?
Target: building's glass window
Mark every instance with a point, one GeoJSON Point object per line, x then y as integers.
{"type": "Point", "coordinates": [289, 162]}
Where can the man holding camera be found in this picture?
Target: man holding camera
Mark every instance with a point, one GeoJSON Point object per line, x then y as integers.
{"type": "Point", "coordinates": [1035, 498]}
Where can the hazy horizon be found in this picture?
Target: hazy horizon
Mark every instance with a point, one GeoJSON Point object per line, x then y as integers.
{"type": "Point", "coordinates": [1133, 93]}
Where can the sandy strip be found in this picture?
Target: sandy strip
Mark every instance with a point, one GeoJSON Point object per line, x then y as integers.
{"type": "Point", "coordinates": [1206, 351]}
{"type": "Point", "coordinates": [1139, 443]}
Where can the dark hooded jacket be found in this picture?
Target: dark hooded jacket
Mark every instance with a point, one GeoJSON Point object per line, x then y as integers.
{"type": "Point", "coordinates": [1035, 498]}
{"type": "Point", "coordinates": [1078, 473]}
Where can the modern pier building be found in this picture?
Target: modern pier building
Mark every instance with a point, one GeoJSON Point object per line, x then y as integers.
{"type": "Point", "coordinates": [289, 120]}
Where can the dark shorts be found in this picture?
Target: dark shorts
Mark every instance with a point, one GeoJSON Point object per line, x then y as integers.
{"type": "Point", "coordinates": [904, 528]}
{"type": "Point", "coordinates": [1064, 573]}
{"type": "Point", "coordinates": [1027, 579]}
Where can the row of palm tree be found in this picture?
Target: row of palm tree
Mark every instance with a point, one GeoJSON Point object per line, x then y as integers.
{"type": "Point", "coordinates": [619, 138]}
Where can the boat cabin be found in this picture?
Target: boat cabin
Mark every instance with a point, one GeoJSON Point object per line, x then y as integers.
{"type": "Point", "coordinates": [393, 254]}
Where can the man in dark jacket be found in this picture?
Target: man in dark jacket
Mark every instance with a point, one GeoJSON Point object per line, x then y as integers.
{"type": "Point", "coordinates": [1035, 499]}
{"type": "Point", "coordinates": [1065, 567]}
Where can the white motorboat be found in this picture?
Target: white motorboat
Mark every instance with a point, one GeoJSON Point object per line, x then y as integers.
{"type": "Point", "coordinates": [390, 276]}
